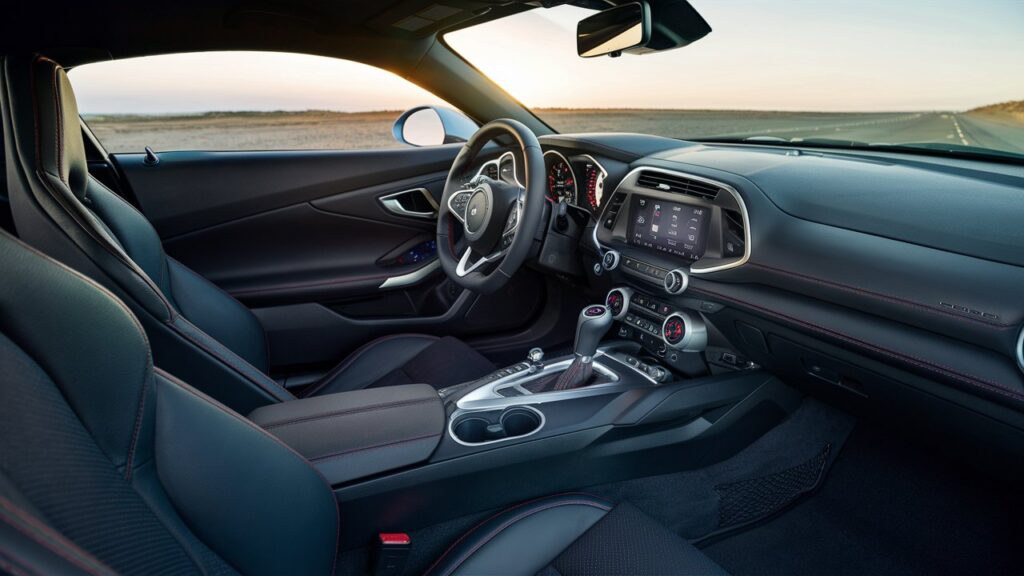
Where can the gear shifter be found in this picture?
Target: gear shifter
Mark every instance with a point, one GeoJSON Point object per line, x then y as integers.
{"type": "Point", "coordinates": [590, 329]}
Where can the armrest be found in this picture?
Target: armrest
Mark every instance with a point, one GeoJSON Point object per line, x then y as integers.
{"type": "Point", "coordinates": [355, 434]}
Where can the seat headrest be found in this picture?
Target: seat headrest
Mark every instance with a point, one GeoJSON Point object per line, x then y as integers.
{"type": "Point", "coordinates": [60, 150]}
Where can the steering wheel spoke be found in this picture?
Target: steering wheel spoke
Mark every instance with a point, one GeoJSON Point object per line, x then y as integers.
{"type": "Point", "coordinates": [466, 266]}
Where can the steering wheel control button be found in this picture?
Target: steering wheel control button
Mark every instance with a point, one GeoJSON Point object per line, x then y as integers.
{"type": "Point", "coordinates": [610, 260]}
{"type": "Point", "coordinates": [676, 281]}
{"type": "Point", "coordinates": [458, 204]}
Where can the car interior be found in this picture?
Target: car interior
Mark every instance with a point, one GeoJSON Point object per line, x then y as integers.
{"type": "Point", "coordinates": [481, 356]}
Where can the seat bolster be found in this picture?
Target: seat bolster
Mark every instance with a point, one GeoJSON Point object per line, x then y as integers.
{"type": "Point", "coordinates": [218, 314]}
{"type": "Point", "coordinates": [252, 499]}
{"type": "Point", "coordinates": [524, 539]}
{"type": "Point", "coordinates": [371, 362]}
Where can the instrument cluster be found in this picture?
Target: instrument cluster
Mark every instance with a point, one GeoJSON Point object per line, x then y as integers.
{"type": "Point", "coordinates": [576, 180]}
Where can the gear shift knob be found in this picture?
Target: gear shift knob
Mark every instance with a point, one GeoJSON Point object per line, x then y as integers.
{"type": "Point", "coordinates": [593, 324]}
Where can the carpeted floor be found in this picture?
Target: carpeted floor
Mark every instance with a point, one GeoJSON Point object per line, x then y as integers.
{"type": "Point", "coordinates": [888, 506]}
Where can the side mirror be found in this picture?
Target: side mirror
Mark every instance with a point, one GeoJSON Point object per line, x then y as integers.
{"type": "Point", "coordinates": [613, 30]}
{"type": "Point", "coordinates": [432, 125]}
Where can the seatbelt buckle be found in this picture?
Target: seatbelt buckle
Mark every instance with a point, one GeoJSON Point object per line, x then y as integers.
{"type": "Point", "coordinates": [391, 552]}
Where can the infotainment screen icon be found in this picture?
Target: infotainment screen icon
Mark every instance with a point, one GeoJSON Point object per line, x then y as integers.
{"type": "Point", "coordinates": [671, 227]}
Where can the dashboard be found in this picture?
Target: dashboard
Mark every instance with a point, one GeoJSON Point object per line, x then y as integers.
{"type": "Point", "coordinates": [874, 275]}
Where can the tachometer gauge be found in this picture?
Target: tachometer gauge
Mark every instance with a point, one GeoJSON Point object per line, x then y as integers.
{"type": "Point", "coordinates": [561, 180]}
{"type": "Point", "coordinates": [593, 184]}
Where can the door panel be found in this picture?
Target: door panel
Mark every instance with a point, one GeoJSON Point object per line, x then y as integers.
{"type": "Point", "coordinates": [189, 191]}
{"type": "Point", "coordinates": [310, 240]}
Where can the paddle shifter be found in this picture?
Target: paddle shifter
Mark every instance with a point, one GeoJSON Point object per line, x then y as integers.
{"type": "Point", "coordinates": [590, 329]}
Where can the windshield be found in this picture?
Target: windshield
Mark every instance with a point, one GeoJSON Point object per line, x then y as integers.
{"type": "Point", "coordinates": [934, 74]}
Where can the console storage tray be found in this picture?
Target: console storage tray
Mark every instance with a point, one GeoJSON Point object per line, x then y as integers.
{"type": "Point", "coordinates": [355, 434]}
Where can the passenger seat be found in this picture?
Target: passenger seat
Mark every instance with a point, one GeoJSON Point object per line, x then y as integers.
{"type": "Point", "coordinates": [110, 465]}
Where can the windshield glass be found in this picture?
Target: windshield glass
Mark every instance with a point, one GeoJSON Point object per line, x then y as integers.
{"type": "Point", "coordinates": [936, 74]}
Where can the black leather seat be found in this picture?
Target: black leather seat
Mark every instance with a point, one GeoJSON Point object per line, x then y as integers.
{"type": "Point", "coordinates": [109, 465]}
{"type": "Point", "coordinates": [197, 331]}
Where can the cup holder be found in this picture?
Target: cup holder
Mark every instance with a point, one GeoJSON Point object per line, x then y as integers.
{"type": "Point", "coordinates": [489, 426]}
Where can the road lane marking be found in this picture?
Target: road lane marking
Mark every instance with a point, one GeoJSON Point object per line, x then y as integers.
{"type": "Point", "coordinates": [959, 132]}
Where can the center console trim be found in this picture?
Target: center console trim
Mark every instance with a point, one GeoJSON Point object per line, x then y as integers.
{"type": "Point", "coordinates": [482, 398]}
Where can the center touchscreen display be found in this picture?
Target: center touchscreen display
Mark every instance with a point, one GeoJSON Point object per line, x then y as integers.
{"type": "Point", "coordinates": [678, 229]}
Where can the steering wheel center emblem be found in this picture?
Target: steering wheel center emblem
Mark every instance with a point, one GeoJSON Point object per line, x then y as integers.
{"type": "Point", "coordinates": [477, 211]}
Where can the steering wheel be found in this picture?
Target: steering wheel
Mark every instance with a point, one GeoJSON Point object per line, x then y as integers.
{"type": "Point", "coordinates": [498, 218]}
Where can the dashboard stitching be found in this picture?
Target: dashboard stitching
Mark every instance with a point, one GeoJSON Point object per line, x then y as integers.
{"type": "Point", "coordinates": [882, 296]}
{"type": "Point", "coordinates": [936, 368]}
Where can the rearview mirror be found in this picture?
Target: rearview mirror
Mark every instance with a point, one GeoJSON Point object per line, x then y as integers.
{"type": "Point", "coordinates": [431, 126]}
{"type": "Point", "coordinates": [639, 28]}
{"type": "Point", "coordinates": [613, 30]}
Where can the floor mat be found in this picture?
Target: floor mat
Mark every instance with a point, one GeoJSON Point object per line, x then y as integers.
{"type": "Point", "coordinates": [762, 479]}
{"type": "Point", "coordinates": [887, 506]}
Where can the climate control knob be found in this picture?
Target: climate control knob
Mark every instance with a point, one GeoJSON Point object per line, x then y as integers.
{"type": "Point", "coordinates": [617, 302]}
{"type": "Point", "coordinates": [610, 260]}
{"type": "Point", "coordinates": [682, 331]}
{"type": "Point", "coordinates": [676, 281]}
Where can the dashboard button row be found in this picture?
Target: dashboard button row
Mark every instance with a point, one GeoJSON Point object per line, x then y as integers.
{"type": "Point", "coordinates": [660, 308]}
{"type": "Point", "coordinates": [644, 268]}
{"type": "Point", "coordinates": [643, 324]}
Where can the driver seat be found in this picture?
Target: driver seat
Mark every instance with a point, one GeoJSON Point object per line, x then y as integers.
{"type": "Point", "coordinates": [197, 331]}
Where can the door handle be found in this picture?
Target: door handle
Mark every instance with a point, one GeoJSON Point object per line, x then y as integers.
{"type": "Point", "coordinates": [415, 203]}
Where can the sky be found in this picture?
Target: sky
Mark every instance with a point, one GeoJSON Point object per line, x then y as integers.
{"type": "Point", "coordinates": [835, 55]}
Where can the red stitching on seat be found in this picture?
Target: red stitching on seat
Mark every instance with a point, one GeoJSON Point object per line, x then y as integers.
{"type": "Point", "coordinates": [50, 538]}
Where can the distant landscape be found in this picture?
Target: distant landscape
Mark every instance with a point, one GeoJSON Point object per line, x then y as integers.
{"type": "Point", "coordinates": [999, 126]}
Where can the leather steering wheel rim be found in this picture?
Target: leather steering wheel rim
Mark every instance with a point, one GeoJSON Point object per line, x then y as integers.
{"type": "Point", "coordinates": [532, 198]}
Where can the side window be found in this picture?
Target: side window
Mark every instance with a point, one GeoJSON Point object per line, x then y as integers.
{"type": "Point", "coordinates": [250, 101]}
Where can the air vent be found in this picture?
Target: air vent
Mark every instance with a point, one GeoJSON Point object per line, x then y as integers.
{"type": "Point", "coordinates": [614, 206]}
{"type": "Point", "coordinates": [677, 184]}
{"type": "Point", "coordinates": [733, 235]}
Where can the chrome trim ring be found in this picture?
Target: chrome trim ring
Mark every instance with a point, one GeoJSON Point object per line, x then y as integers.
{"type": "Point", "coordinates": [461, 412]}
{"type": "Point", "coordinates": [684, 281]}
{"type": "Point", "coordinates": [695, 267]}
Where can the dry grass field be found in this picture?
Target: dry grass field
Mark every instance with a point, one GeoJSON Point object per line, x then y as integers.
{"type": "Point", "coordinates": [1000, 126]}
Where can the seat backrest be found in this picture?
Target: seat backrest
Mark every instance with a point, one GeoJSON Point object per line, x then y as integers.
{"type": "Point", "coordinates": [107, 463]}
{"type": "Point", "coordinates": [198, 331]}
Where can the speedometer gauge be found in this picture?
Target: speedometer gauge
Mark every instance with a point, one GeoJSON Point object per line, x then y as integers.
{"type": "Point", "coordinates": [561, 179]}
